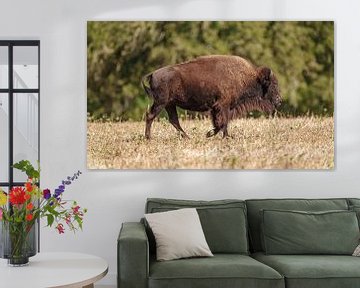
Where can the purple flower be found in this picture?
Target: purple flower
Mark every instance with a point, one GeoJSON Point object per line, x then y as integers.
{"type": "Point", "coordinates": [46, 194]}
{"type": "Point", "coordinates": [68, 181]}
{"type": "Point", "coordinates": [58, 192]}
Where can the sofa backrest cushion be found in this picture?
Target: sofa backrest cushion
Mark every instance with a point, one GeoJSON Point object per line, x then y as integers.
{"type": "Point", "coordinates": [354, 205]}
{"type": "Point", "coordinates": [353, 202]}
{"type": "Point", "coordinates": [256, 205]}
{"type": "Point", "coordinates": [356, 209]}
{"type": "Point", "coordinates": [223, 221]}
{"type": "Point", "coordinates": [298, 232]}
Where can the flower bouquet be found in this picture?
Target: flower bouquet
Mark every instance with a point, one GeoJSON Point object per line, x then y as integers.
{"type": "Point", "coordinates": [23, 206]}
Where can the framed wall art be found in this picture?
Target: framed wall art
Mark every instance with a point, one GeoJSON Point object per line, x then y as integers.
{"type": "Point", "coordinates": [210, 94]}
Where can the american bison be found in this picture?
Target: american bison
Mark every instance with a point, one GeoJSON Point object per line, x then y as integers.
{"type": "Point", "coordinates": [227, 86]}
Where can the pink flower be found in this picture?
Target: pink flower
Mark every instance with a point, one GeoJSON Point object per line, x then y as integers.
{"type": "Point", "coordinates": [60, 228]}
{"type": "Point", "coordinates": [68, 219]}
{"type": "Point", "coordinates": [76, 210]}
{"type": "Point", "coordinates": [1, 212]}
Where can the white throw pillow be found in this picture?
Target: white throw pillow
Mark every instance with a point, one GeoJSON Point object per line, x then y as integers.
{"type": "Point", "coordinates": [178, 234]}
{"type": "Point", "coordinates": [357, 251]}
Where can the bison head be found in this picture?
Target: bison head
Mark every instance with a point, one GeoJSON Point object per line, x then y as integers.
{"type": "Point", "coordinates": [270, 86]}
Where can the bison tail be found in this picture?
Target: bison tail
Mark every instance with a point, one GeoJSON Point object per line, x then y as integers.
{"type": "Point", "coordinates": [146, 84]}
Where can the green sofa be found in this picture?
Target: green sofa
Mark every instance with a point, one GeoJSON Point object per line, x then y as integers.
{"type": "Point", "coordinates": [234, 230]}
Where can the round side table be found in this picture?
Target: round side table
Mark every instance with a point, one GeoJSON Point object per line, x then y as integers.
{"type": "Point", "coordinates": [50, 270]}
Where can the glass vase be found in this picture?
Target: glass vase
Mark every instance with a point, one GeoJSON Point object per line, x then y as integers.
{"type": "Point", "coordinates": [18, 242]}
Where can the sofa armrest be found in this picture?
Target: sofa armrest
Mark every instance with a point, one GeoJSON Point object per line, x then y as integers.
{"type": "Point", "coordinates": [133, 256]}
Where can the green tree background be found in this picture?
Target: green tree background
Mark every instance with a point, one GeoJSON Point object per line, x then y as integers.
{"type": "Point", "coordinates": [120, 53]}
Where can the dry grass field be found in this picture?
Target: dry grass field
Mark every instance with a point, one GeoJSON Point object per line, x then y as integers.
{"type": "Point", "coordinates": [278, 143]}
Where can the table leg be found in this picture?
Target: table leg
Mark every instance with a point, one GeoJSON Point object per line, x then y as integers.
{"type": "Point", "coordinates": [89, 286]}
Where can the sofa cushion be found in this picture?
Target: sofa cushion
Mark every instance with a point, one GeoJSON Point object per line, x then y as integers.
{"type": "Point", "coordinates": [254, 216]}
{"type": "Point", "coordinates": [222, 270]}
{"type": "Point", "coordinates": [354, 205]}
{"type": "Point", "coordinates": [356, 209]}
{"type": "Point", "coordinates": [178, 234]}
{"type": "Point", "coordinates": [297, 232]}
{"type": "Point", "coordinates": [313, 271]}
{"type": "Point", "coordinates": [223, 221]}
{"type": "Point", "coordinates": [353, 201]}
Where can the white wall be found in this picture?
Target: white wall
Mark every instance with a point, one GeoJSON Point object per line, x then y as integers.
{"type": "Point", "coordinates": [113, 197]}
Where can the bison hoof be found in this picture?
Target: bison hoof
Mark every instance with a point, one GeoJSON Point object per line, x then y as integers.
{"type": "Point", "coordinates": [227, 136]}
{"type": "Point", "coordinates": [185, 136]}
{"type": "Point", "coordinates": [210, 133]}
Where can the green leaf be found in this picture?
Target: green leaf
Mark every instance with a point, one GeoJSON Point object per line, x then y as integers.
{"type": "Point", "coordinates": [52, 211]}
{"type": "Point", "coordinates": [79, 221]}
{"type": "Point", "coordinates": [50, 219]}
{"type": "Point", "coordinates": [28, 168]}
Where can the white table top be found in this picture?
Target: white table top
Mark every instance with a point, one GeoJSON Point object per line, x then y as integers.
{"type": "Point", "coordinates": [68, 270]}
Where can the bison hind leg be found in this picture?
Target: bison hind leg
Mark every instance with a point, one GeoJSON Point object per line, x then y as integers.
{"type": "Point", "coordinates": [174, 120]}
{"type": "Point", "coordinates": [150, 116]}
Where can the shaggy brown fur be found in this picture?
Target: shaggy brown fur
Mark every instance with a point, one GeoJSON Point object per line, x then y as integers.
{"type": "Point", "coordinates": [227, 86]}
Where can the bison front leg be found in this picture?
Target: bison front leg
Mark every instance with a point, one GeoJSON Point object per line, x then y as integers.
{"type": "Point", "coordinates": [150, 116]}
{"type": "Point", "coordinates": [225, 131]}
{"type": "Point", "coordinates": [174, 120]}
{"type": "Point", "coordinates": [214, 131]}
{"type": "Point", "coordinates": [220, 119]}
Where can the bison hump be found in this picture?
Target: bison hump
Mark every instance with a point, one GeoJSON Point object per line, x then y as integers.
{"type": "Point", "coordinates": [226, 59]}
